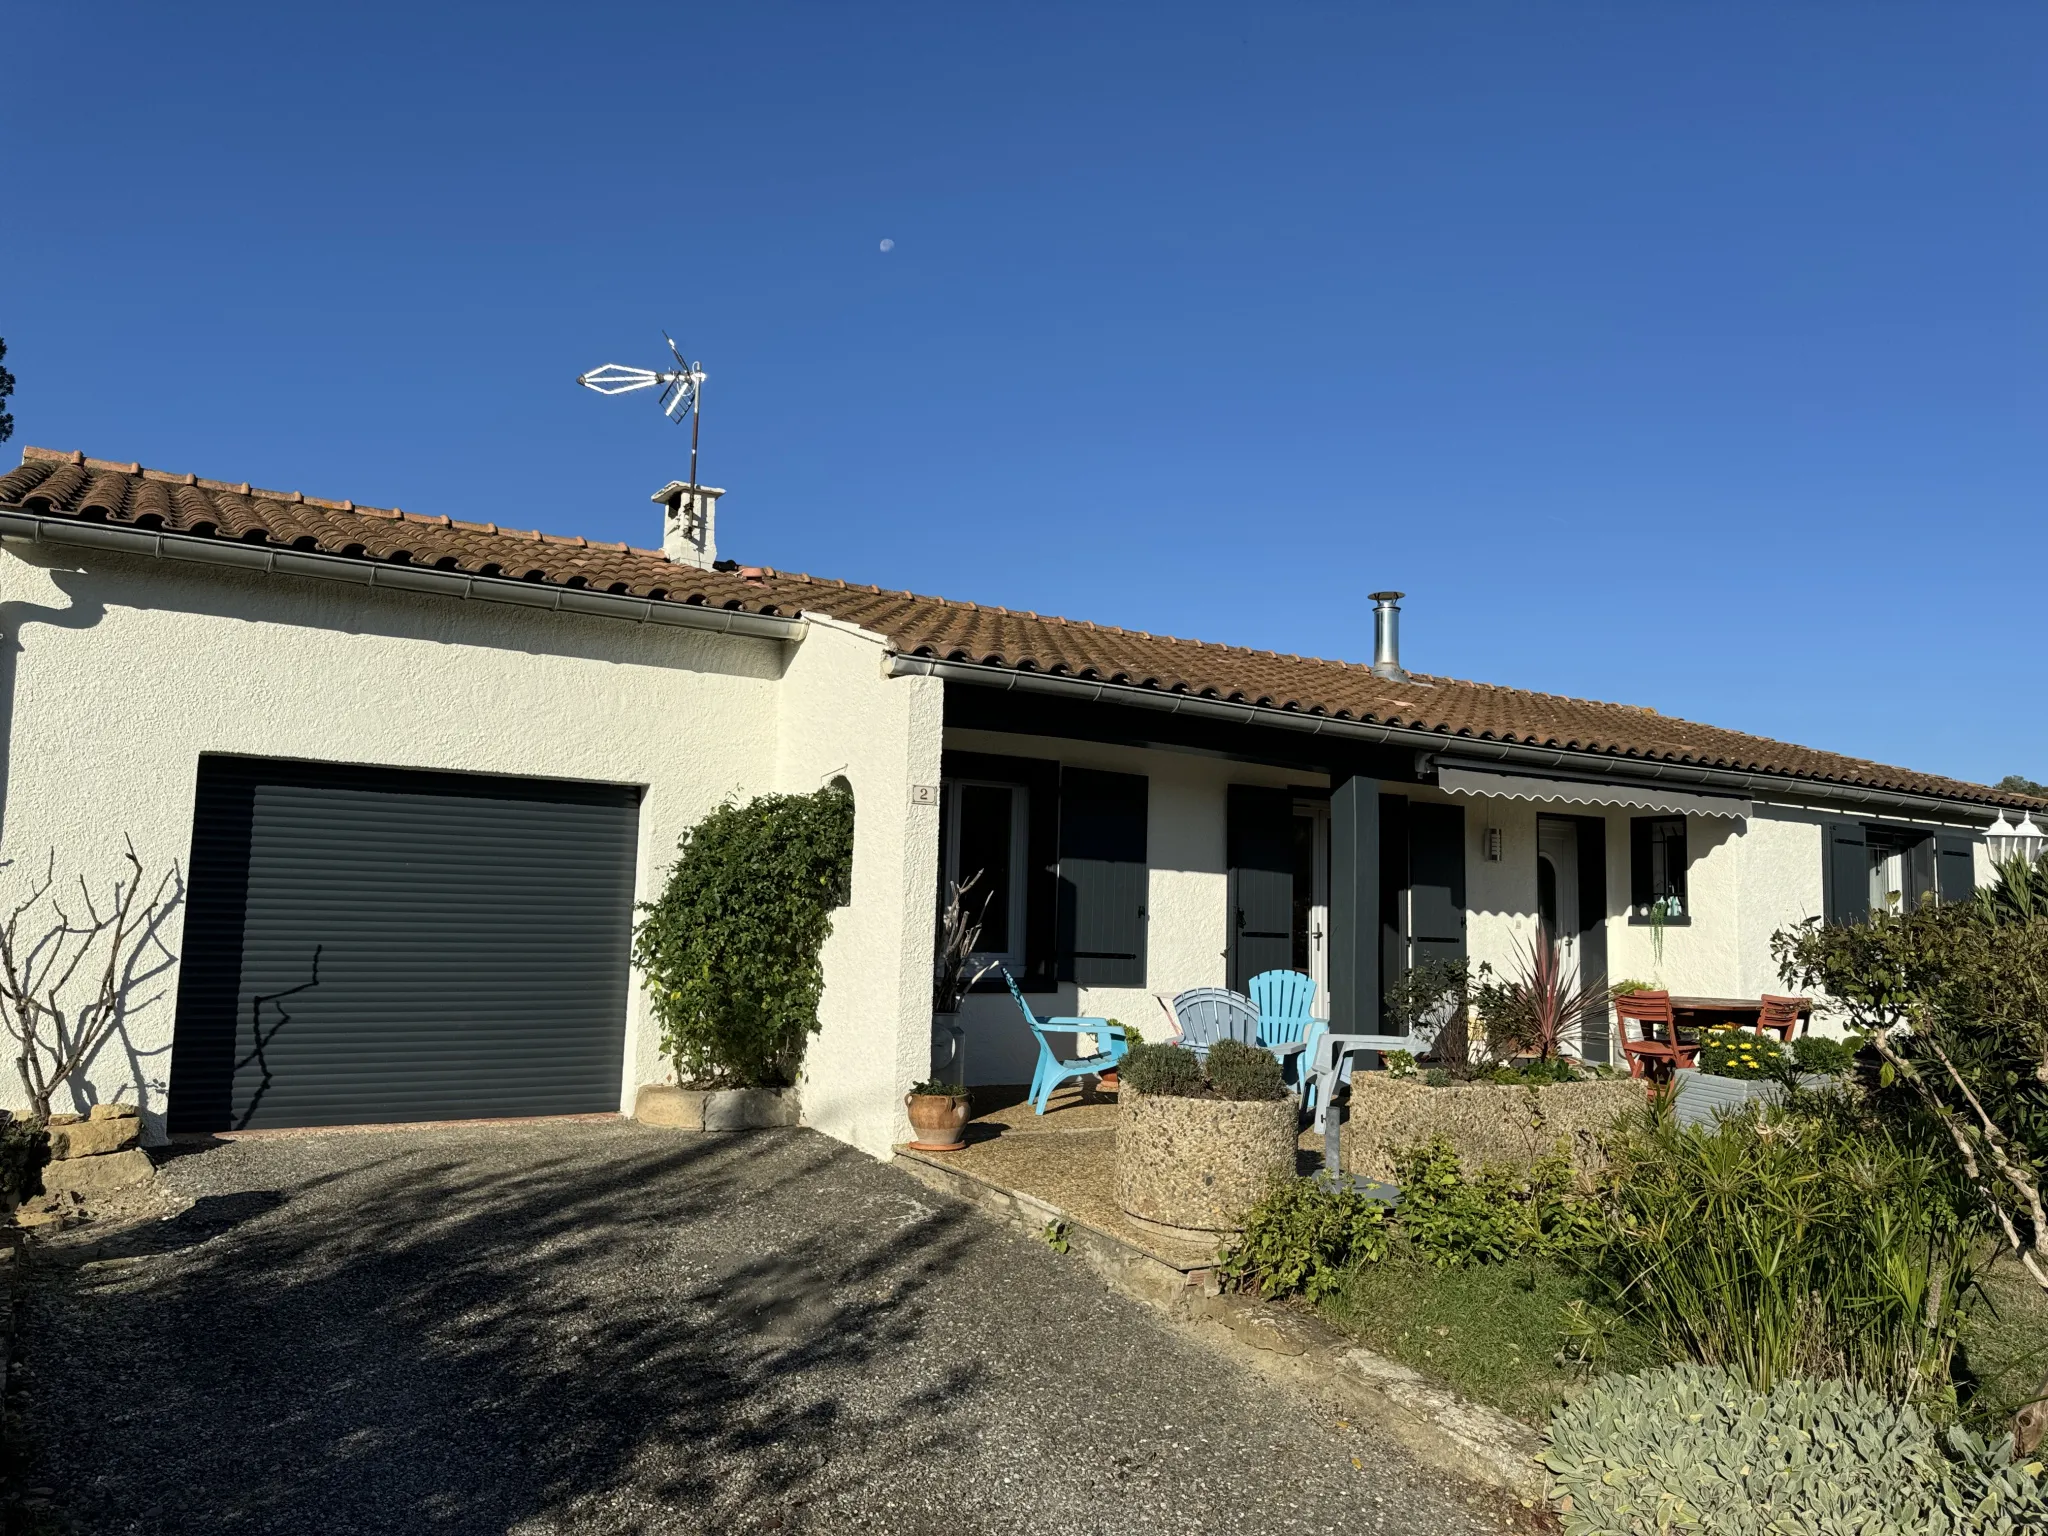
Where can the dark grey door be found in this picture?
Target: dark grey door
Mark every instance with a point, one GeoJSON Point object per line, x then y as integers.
{"type": "Point", "coordinates": [1260, 846]}
{"type": "Point", "coordinates": [372, 945]}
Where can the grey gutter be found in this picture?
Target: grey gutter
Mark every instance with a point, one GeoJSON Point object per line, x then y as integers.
{"type": "Point", "coordinates": [1456, 751]}
{"type": "Point", "coordinates": [270, 559]}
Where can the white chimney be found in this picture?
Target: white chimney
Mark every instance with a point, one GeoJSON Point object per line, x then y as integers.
{"type": "Point", "coordinates": [688, 529]}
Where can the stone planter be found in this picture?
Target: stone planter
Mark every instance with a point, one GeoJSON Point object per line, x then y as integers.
{"type": "Point", "coordinates": [714, 1109]}
{"type": "Point", "coordinates": [1191, 1168]}
{"type": "Point", "coordinates": [1487, 1124]}
{"type": "Point", "coordinates": [938, 1119]}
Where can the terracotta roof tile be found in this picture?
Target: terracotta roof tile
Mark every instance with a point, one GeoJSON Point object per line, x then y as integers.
{"type": "Point", "coordinates": [99, 490]}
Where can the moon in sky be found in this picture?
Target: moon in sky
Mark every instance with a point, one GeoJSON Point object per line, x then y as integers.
{"type": "Point", "coordinates": [888, 245]}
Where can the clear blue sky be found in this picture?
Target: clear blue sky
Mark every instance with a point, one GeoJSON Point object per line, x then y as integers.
{"type": "Point", "coordinates": [1689, 355]}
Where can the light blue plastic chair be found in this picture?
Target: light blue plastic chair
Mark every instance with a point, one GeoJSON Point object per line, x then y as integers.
{"type": "Point", "coordinates": [1054, 1068]}
{"type": "Point", "coordinates": [1284, 1000]}
{"type": "Point", "coordinates": [1205, 1015]}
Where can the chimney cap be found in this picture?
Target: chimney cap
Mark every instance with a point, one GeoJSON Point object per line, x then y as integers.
{"type": "Point", "coordinates": [1386, 597]}
{"type": "Point", "coordinates": [675, 490]}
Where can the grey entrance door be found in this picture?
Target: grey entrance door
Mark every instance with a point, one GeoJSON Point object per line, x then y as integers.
{"type": "Point", "coordinates": [371, 945]}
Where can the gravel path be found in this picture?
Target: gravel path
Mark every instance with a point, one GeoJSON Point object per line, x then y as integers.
{"type": "Point", "coordinates": [583, 1328]}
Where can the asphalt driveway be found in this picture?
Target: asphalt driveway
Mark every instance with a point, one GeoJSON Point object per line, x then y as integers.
{"type": "Point", "coordinates": [584, 1328]}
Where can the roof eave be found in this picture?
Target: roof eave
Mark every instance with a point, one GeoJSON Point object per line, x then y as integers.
{"type": "Point", "coordinates": [1477, 751]}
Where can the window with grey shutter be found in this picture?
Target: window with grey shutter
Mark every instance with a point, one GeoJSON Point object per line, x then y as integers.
{"type": "Point", "coordinates": [1103, 878]}
{"type": "Point", "coordinates": [1436, 881]}
{"type": "Point", "coordinates": [1845, 888]}
{"type": "Point", "coordinates": [1260, 847]}
{"type": "Point", "coordinates": [1956, 871]}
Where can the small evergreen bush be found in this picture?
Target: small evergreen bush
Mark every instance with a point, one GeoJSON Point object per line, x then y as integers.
{"type": "Point", "coordinates": [1244, 1072]}
{"type": "Point", "coordinates": [1694, 1449]}
{"type": "Point", "coordinates": [1304, 1236]}
{"type": "Point", "coordinates": [1824, 1057]}
{"type": "Point", "coordinates": [730, 950]}
{"type": "Point", "coordinates": [1728, 1050]}
{"type": "Point", "coordinates": [1170, 1070]}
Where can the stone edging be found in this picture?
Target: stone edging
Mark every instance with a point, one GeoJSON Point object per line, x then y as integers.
{"type": "Point", "coordinates": [1432, 1423]}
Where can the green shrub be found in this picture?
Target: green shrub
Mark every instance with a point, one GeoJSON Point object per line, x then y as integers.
{"type": "Point", "coordinates": [1436, 1077]}
{"type": "Point", "coordinates": [1536, 1073]}
{"type": "Point", "coordinates": [1825, 1057]}
{"type": "Point", "coordinates": [1728, 1050]}
{"type": "Point", "coordinates": [1452, 1217]}
{"type": "Point", "coordinates": [1304, 1237]}
{"type": "Point", "coordinates": [1244, 1072]}
{"type": "Point", "coordinates": [1171, 1070]}
{"type": "Point", "coordinates": [24, 1153]}
{"type": "Point", "coordinates": [1695, 1449]}
{"type": "Point", "coordinates": [1401, 1064]}
{"type": "Point", "coordinates": [1781, 1244]}
{"type": "Point", "coordinates": [729, 951]}
{"type": "Point", "coordinates": [932, 1088]}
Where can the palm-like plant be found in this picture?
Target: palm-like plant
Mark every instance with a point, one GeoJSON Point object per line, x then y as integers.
{"type": "Point", "coordinates": [1554, 1002]}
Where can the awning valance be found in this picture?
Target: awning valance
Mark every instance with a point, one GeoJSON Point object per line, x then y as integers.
{"type": "Point", "coordinates": [1515, 786]}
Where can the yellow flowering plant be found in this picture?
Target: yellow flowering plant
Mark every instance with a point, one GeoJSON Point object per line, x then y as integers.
{"type": "Point", "coordinates": [1728, 1050]}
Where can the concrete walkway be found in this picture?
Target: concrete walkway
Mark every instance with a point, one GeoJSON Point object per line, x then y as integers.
{"type": "Point", "coordinates": [601, 1328]}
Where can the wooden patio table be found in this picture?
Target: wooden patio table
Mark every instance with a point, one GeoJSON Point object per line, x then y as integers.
{"type": "Point", "coordinates": [1703, 1013]}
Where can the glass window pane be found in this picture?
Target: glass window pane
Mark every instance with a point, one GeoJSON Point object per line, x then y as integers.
{"type": "Point", "coordinates": [985, 843]}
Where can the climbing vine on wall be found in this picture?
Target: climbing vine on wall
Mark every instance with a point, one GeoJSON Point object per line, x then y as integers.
{"type": "Point", "coordinates": [730, 950]}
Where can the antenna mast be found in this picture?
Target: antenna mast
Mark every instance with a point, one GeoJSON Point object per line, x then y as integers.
{"type": "Point", "coordinates": [682, 391]}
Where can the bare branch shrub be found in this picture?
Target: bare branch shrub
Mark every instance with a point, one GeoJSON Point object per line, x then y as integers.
{"type": "Point", "coordinates": [70, 967]}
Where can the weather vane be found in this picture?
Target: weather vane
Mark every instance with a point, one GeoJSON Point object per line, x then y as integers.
{"type": "Point", "coordinates": [682, 390]}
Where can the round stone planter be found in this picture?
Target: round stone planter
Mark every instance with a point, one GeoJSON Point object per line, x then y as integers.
{"type": "Point", "coordinates": [938, 1119]}
{"type": "Point", "coordinates": [1191, 1168]}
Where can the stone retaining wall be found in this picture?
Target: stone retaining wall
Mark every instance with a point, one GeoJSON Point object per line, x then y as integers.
{"type": "Point", "coordinates": [1486, 1123]}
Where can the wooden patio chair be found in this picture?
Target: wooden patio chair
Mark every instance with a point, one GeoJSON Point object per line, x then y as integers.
{"type": "Point", "coordinates": [1641, 1015]}
{"type": "Point", "coordinates": [1780, 1015]}
{"type": "Point", "coordinates": [1054, 1067]}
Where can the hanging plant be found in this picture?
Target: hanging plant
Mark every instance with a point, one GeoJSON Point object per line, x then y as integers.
{"type": "Point", "coordinates": [730, 950]}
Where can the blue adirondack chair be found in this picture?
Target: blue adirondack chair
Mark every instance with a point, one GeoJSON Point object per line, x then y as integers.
{"type": "Point", "coordinates": [1284, 1000]}
{"type": "Point", "coordinates": [1054, 1068]}
{"type": "Point", "coordinates": [1208, 1014]}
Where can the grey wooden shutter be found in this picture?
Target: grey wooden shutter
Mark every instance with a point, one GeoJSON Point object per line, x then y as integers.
{"type": "Point", "coordinates": [1436, 881]}
{"type": "Point", "coordinates": [1596, 1032]}
{"type": "Point", "coordinates": [1845, 884]}
{"type": "Point", "coordinates": [1103, 877]}
{"type": "Point", "coordinates": [1955, 868]}
{"type": "Point", "coordinates": [1260, 839]}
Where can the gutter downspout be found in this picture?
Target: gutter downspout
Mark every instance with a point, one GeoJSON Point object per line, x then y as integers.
{"type": "Point", "coordinates": [1463, 751]}
{"type": "Point", "coordinates": [271, 560]}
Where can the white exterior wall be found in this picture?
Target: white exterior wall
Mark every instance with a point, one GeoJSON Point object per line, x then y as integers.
{"type": "Point", "coordinates": [120, 671]}
{"type": "Point", "coordinates": [839, 716]}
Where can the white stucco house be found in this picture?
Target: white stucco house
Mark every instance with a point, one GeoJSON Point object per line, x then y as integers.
{"type": "Point", "coordinates": [417, 771]}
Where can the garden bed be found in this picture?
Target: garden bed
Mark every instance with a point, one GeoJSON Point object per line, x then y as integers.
{"type": "Point", "coordinates": [1485, 1122]}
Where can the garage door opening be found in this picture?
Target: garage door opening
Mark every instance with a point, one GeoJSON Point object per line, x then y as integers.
{"type": "Point", "coordinates": [372, 945]}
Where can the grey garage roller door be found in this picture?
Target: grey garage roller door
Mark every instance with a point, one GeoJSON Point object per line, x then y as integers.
{"type": "Point", "coordinates": [370, 945]}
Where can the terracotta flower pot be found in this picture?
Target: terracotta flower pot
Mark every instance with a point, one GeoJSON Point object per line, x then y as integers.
{"type": "Point", "coordinates": [938, 1120]}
